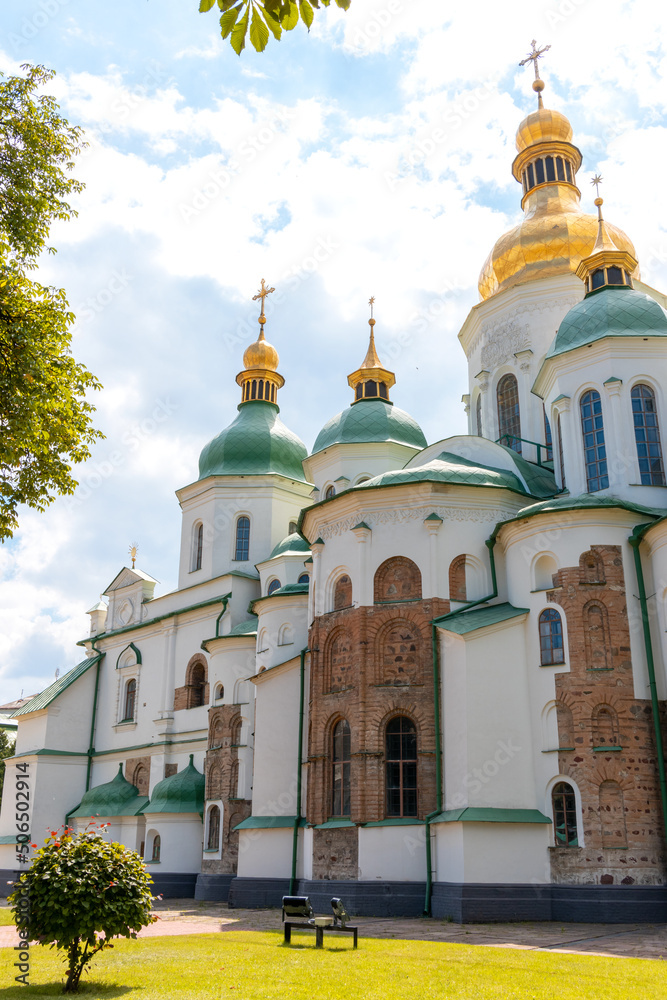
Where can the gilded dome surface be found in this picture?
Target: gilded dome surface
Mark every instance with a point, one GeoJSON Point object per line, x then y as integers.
{"type": "Point", "coordinates": [544, 125]}
{"type": "Point", "coordinates": [261, 355]}
{"type": "Point", "coordinates": [553, 238]}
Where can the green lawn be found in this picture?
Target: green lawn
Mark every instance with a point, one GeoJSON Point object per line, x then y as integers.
{"type": "Point", "coordinates": [257, 966]}
{"type": "Point", "coordinates": [5, 915]}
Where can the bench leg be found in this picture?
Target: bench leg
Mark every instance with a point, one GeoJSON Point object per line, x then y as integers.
{"type": "Point", "coordinates": [355, 937]}
{"type": "Point", "coordinates": [319, 937]}
{"type": "Point", "coordinates": [288, 933]}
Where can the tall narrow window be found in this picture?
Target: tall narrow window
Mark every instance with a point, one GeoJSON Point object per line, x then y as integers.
{"type": "Point", "coordinates": [155, 856]}
{"type": "Point", "coordinates": [547, 437]}
{"type": "Point", "coordinates": [457, 579]}
{"type": "Point", "coordinates": [198, 547]}
{"type": "Point", "coordinates": [401, 764]}
{"type": "Point", "coordinates": [130, 700]}
{"type": "Point", "coordinates": [213, 842]}
{"type": "Point", "coordinates": [197, 686]}
{"type": "Point", "coordinates": [242, 539]}
{"type": "Point", "coordinates": [595, 453]}
{"type": "Point", "coordinates": [561, 457]}
{"type": "Point", "coordinates": [478, 414]}
{"type": "Point", "coordinates": [565, 815]}
{"type": "Point", "coordinates": [342, 593]}
{"type": "Point", "coordinates": [551, 638]}
{"type": "Point", "coordinates": [340, 804]}
{"type": "Point", "coordinates": [647, 436]}
{"type": "Point", "coordinates": [509, 419]}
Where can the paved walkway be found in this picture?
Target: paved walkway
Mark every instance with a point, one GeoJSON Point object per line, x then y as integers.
{"type": "Point", "coordinates": [185, 916]}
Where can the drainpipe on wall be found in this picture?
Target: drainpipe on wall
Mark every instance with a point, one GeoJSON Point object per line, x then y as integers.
{"type": "Point", "coordinates": [297, 818]}
{"type": "Point", "coordinates": [635, 540]}
{"type": "Point", "coordinates": [91, 748]}
{"type": "Point", "coordinates": [435, 624]}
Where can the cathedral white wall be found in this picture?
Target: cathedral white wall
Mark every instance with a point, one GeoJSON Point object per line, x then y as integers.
{"type": "Point", "coordinates": [355, 462]}
{"type": "Point", "coordinates": [282, 629]}
{"type": "Point", "coordinates": [492, 852]}
{"type": "Point", "coordinates": [276, 739]}
{"type": "Point", "coordinates": [181, 841]}
{"type": "Point", "coordinates": [265, 853]}
{"type": "Point", "coordinates": [392, 853]}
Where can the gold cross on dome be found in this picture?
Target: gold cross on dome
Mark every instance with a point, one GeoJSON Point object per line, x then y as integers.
{"type": "Point", "coordinates": [133, 553]}
{"type": "Point", "coordinates": [370, 302]}
{"type": "Point", "coordinates": [534, 56]}
{"type": "Point", "coordinates": [261, 294]}
{"type": "Point", "coordinates": [596, 181]}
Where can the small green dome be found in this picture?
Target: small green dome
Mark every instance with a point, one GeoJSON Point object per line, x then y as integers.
{"type": "Point", "coordinates": [367, 421]}
{"type": "Point", "coordinates": [182, 792]}
{"type": "Point", "coordinates": [257, 443]}
{"type": "Point", "coordinates": [449, 468]}
{"type": "Point", "coordinates": [293, 543]}
{"type": "Point", "coordinates": [114, 798]}
{"type": "Point", "coordinates": [613, 311]}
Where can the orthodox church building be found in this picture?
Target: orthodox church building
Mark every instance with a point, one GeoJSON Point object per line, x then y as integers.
{"type": "Point", "coordinates": [426, 678]}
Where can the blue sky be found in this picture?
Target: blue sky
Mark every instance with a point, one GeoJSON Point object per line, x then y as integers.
{"type": "Point", "coordinates": [371, 157]}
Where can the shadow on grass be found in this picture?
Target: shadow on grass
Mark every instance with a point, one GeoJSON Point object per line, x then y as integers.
{"type": "Point", "coordinates": [55, 989]}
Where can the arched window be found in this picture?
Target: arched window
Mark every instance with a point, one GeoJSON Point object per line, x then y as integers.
{"type": "Point", "coordinates": [457, 579]}
{"type": "Point", "coordinates": [561, 458]}
{"type": "Point", "coordinates": [242, 550]}
{"type": "Point", "coordinates": [596, 636]}
{"type": "Point", "coordinates": [213, 841]}
{"type": "Point", "coordinates": [565, 815]}
{"type": "Point", "coordinates": [397, 579]}
{"type": "Point", "coordinates": [342, 593]}
{"type": "Point", "coordinates": [219, 692]}
{"type": "Point", "coordinates": [551, 638]}
{"type": "Point", "coordinates": [547, 437]}
{"type": "Point", "coordinates": [595, 453]}
{"type": "Point", "coordinates": [478, 415]}
{"type": "Point", "coordinates": [330, 492]}
{"type": "Point", "coordinates": [304, 578]}
{"type": "Point", "coordinates": [216, 732]}
{"type": "Point", "coordinates": [273, 586]}
{"type": "Point", "coordinates": [236, 730]}
{"type": "Point", "coordinates": [130, 700]}
{"type": "Point", "coordinates": [196, 685]}
{"type": "Point", "coordinates": [401, 767]}
{"type": "Point", "coordinates": [612, 815]}
{"type": "Point", "coordinates": [155, 855]}
{"type": "Point", "coordinates": [647, 436]}
{"type": "Point", "coordinates": [214, 782]}
{"type": "Point", "coordinates": [509, 418]}
{"type": "Point", "coordinates": [198, 547]}
{"type": "Point", "coordinates": [292, 528]}
{"type": "Point", "coordinates": [140, 779]}
{"type": "Point", "coordinates": [591, 567]}
{"type": "Point", "coordinates": [544, 571]}
{"type": "Point", "coordinates": [340, 758]}
{"type": "Point", "coordinates": [605, 726]}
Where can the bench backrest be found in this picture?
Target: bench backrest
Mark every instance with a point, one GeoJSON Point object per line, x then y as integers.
{"type": "Point", "coordinates": [297, 906]}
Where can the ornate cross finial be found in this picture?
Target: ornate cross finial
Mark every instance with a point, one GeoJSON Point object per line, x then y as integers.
{"type": "Point", "coordinates": [133, 553]}
{"type": "Point", "coordinates": [534, 56]}
{"type": "Point", "coordinates": [370, 302]}
{"type": "Point", "coordinates": [596, 181]}
{"type": "Point", "coordinates": [261, 294]}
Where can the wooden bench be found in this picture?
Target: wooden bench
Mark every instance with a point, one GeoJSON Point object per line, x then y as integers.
{"type": "Point", "coordinates": [299, 906]}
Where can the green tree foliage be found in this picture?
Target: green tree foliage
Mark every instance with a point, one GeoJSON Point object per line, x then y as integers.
{"type": "Point", "coordinates": [260, 18]}
{"type": "Point", "coordinates": [80, 892]}
{"type": "Point", "coordinates": [6, 750]}
{"type": "Point", "coordinates": [45, 419]}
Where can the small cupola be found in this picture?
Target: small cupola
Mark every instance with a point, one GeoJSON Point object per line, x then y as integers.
{"type": "Point", "coordinates": [260, 379]}
{"type": "Point", "coordinates": [606, 266]}
{"type": "Point", "coordinates": [371, 380]}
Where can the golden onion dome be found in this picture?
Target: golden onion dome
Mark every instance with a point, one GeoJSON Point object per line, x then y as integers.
{"type": "Point", "coordinates": [555, 235]}
{"type": "Point", "coordinates": [261, 355]}
{"type": "Point", "coordinates": [543, 125]}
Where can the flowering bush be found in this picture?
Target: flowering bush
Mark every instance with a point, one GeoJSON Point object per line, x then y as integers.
{"type": "Point", "coordinates": [81, 892]}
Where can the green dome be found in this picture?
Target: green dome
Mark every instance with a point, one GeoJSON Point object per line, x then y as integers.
{"type": "Point", "coordinates": [294, 543]}
{"type": "Point", "coordinates": [257, 443]}
{"type": "Point", "coordinates": [114, 798]}
{"type": "Point", "coordinates": [367, 421]}
{"type": "Point", "coordinates": [613, 311]}
{"type": "Point", "coordinates": [182, 792]}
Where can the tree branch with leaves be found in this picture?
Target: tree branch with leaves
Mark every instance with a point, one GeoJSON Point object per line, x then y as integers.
{"type": "Point", "coordinates": [262, 18]}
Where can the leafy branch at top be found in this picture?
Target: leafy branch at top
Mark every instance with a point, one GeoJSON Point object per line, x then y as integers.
{"type": "Point", "coordinates": [262, 18]}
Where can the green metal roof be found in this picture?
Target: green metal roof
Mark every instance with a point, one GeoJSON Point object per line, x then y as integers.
{"type": "Point", "coordinates": [585, 501]}
{"type": "Point", "coordinates": [292, 543]}
{"type": "Point", "coordinates": [268, 823]}
{"type": "Point", "coordinates": [257, 443]}
{"type": "Point", "coordinates": [44, 699]}
{"type": "Point", "coordinates": [470, 621]}
{"type": "Point", "coordinates": [481, 814]}
{"type": "Point", "coordinates": [449, 468]}
{"type": "Point", "coordinates": [182, 792]}
{"type": "Point", "coordinates": [290, 588]}
{"type": "Point", "coordinates": [613, 311]}
{"type": "Point", "coordinates": [244, 628]}
{"type": "Point", "coordinates": [114, 798]}
{"type": "Point", "coordinates": [367, 421]}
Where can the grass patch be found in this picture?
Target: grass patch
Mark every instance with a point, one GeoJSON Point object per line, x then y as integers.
{"type": "Point", "coordinates": [244, 965]}
{"type": "Point", "coordinates": [5, 915]}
